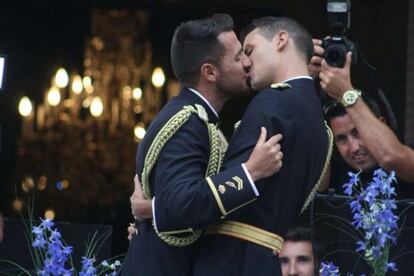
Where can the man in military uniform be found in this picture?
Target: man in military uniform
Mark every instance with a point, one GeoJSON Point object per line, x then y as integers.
{"type": "Point", "coordinates": [249, 241]}
{"type": "Point", "coordinates": [181, 153]}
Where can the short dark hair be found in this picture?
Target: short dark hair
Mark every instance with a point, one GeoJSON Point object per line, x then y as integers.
{"type": "Point", "coordinates": [269, 26]}
{"type": "Point", "coordinates": [304, 234]}
{"type": "Point", "coordinates": [298, 234]}
{"type": "Point", "coordinates": [333, 109]}
{"type": "Point", "coordinates": [195, 43]}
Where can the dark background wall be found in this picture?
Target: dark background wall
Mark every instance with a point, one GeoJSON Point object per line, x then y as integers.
{"type": "Point", "coordinates": [40, 36]}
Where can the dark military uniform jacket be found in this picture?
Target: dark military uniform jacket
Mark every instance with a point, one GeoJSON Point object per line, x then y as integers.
{"type": "Point", "coordinates": [184, 199]}
{"type": "Point", "coordinates": [295, 113]}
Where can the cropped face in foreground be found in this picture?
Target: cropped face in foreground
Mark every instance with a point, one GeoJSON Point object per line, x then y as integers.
{"type": "Point", "coordinates": [296, 258]}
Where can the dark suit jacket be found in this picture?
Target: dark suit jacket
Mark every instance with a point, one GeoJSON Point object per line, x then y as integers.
{"type": "Point", "coordinates": [296, 113]}
{"type": "Point", "coordinates": [184, 197]}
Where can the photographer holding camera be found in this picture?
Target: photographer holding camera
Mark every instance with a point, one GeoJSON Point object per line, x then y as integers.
{"type": "Point", "coordinates": [365, 142]}
{"type": "Point", "coordinates": [362, 137]}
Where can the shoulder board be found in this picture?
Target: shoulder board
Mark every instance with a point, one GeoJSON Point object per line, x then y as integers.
{"type": "Point", "coordinates": [202, 113]}
{"type": "Point", "coordinates": [280, 86]}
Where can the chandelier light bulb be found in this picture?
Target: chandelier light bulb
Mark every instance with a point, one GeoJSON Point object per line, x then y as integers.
{"type": "Point", "coordinates": [87, 81]}
{"type": "Point", "coordinates": [50, 214]}
{"type": "Point", "coordinates": [53, 96]}
{"type": "Point", "coordinates": [87, 84]}
{"type": "Point", "coordinates": [77, 86]}
{"type": "Point", "coordinates": [139, 131]}
{"type": "Point", "coordinates": [96, 107]}
{"type": "Point", "coordinates": [25, 107]}
{"type": "Point", "coordinates": [137, 93]}
{"type": "Point", "coordinates": [17, 204]}
{"type": "Point", "coordinates": [158, 77]}
{"type": "Point", "coordinates": [62, 78]}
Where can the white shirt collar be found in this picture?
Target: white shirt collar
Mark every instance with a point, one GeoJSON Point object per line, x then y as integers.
{"type": "Point", "coordinates": [204, 99]}
{"type": "Point", "coordinates": [298, 77]}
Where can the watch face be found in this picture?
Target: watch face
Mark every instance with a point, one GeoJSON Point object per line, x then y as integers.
{"type": "Point", "coordinates": [350, 97]}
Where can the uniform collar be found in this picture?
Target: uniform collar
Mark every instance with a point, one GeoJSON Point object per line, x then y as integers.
{"type": "Point", "coordinates": [198, 98]}
{"type": "Point", "coordinates": [300, 81]}
{"type": "Point", "coordinates": [298, 77]}
{"type": "Point", "coordinates": [205, 100]}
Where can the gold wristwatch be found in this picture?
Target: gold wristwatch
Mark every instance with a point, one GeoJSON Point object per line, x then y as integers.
{"type": "Point", "coordinates": [350, 97]}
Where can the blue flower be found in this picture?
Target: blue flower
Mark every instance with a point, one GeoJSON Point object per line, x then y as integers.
{"type": "Point", "coordinates": [353, 181]}
{"type": "Point", "coordinates": [372, 210]}
{"type": "Point", "coordinates": [55, 235]}
{"type": "Point", "coordinates": [355, 206]}
{"type": "Point", "coordinates": [87, 267]}
{"type": "Point", "coordinates": [47, 224]}
{"type": "Point", "coordinates": [361, 246]}
{"type": "Point", "coordinates": [67, 250]}
{"type": "Point", "coordinates": [39, 243]}
{"type": "Point", "coordinates": [48, 241]}
{"type": "Point", "coordinates": [37, 230]}
{"type": "Point", "coordinates": [391, 267]}
{"type": "Point", "coordinates": [329, 269]}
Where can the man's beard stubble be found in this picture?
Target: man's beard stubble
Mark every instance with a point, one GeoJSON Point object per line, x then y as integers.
{"type": "Point", "coordinates": [232, 90]}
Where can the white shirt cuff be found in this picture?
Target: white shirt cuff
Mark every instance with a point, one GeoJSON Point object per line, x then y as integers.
{"type": "Point", "coordinates": [256, 192]}
{"type": "Point", "coordinates": [153, 214]}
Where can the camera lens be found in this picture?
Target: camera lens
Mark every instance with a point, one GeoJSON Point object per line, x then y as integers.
{"type": "Point", "coordinates": [335, 55]}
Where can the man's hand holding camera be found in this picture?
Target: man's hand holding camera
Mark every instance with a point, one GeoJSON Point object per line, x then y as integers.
{"type": "Point", "coordinates": [315, 62]}
{"type": "Point", "coordinates": [336, 81]}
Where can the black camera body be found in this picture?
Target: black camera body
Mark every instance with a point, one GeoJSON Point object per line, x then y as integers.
{"type": "Point", "coordinates": [336, 48]}
{"type": "Point", "coordinates": [337, 45]}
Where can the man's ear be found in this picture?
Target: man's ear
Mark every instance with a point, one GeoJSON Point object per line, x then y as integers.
{"type": "Point", "coordinates": [208, 72]}
{"type": "Point", "coordinates": [281, 40]}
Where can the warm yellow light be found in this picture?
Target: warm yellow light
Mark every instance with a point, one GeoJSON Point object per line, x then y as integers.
{"type": "Point", "coordinates": [96, 107]}
{"type": "Point", "coordinates": [127, 93]}
{"type": "Point", "coordinates": [50, 214]}
{"type": "Point", "coordinates": [17, 204]}
{"type": "Point", "coordinates": [137, 109]}
{"type": "Point", "coordinates": [77, 86]}
{"type": "Point", "coordinates": [25, 107]}
{"type": "Point", "coordinates": [61, 78]}
{"type": "Point", "coordinates": [53, 96]}
{"type": "Point", "coordinates": [87, 83]}
{"type": "Point", "coordinates": [137, 93]}
{"type": "Point", "coordinates": [27, 184]}
{"type": "Point", "coordinates": [65, 184]}
{"type": "Point", "coordinates": [139, 131]}
{"type": "Point", "coordinates": [158, 77]}
{"type": "Point", "coordinates": [42, 184]}
{"type": "Point", "coordinates": [87, 102]}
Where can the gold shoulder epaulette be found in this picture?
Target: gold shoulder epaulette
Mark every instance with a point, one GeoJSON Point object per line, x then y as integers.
{"type": "Point", "coordinates": [280, 85]}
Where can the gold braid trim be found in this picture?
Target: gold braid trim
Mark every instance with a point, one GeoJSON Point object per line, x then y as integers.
{"type": "Point", "coordinates": [166, 132]}
{"type": "Point", "coordinates": [325, 168]}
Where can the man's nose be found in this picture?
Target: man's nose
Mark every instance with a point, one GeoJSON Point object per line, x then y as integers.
{"type": "Point", "coordinates": [246, 62]}
{"type": "Point", "coordinates": [353, 145]}
{"type": "Point", "coordinates": [292, 269]}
